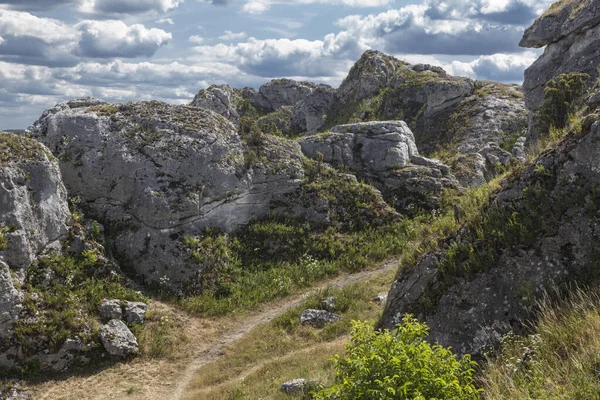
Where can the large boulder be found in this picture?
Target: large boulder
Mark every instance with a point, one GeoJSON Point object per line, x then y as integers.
{"type": "Point", "coordinates": [153, 173]}
{"type": "Point", "coordinates": [118, 339]}
{"type": "Point", "coordinates": [33, 201]}
{"type": "Point", "coordinates": [384, 154]}
{"type": "Point", "coordinates": [570, 30]}
{"type": "Point", "coordinates": [370, 147]}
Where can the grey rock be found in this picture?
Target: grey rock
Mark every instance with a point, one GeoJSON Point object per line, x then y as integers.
{"type": "Point", "coordinates": [155, 173]}
{"type": "Point", "coordinates": [328, 304]}
{"type": "Point", "coordinates": [572, 39]}
{"type": "Point", "coordinates": [11, 301]}
{"type": "Point", "coordinates": [285, 92]}
{"type": "Point", "coordinates": [296, 386]}
{"type": "Point", "coordinates": [561, 20]}
{"type": "Point", "coordinates": [518, 150]}
{"type": "Point", "coordinates": [135, 312]}
{"type": "Point", "coordinates": [473, 313]}
{"type": "Point", "coordinates": [118, 339]}
{"type": "Point", "coordinates": [110, 309]}
{"type": "Point", "coordinates": [15, 392]}
{"type": "Point", "coordinates": [384, 154]}
{"type": "Point", "coordinates": [71, 350]}
{"type": "Point", "coordinates": [367, 76]}
{"type": "Point", "coordinates": [33, 201]}
{"type": "Point", "coordinates": [381, 299]}
{"type": "Point", "coordinates": [318, 318]}
{"type": "Point", "coordinates": [470, 169]}
{"type": "Point", "coordinates": [222, 99]}
{"type": "Point", "coordinates": [310, 113]}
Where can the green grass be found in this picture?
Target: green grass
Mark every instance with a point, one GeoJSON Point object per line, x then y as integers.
{"type": "Point", "coordinates": [560, 360]}
{"type": "Point", "coordinates": [61, 298]}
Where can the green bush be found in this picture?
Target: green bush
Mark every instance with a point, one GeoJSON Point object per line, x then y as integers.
{"type": "Point", "coordinates": [399, 365]}
{"type": "Point", "coordinates": [562, 98]}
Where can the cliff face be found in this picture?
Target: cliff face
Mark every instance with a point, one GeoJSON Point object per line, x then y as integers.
{"type": "Point", "coordinates": [538, 231]}
{"type": "Point", "coordinates": [570, 30]}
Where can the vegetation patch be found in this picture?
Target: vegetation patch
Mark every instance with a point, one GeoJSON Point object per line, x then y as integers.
{"type": "Point", "coordinates": [19, 148]}
{"type": "Point", "coordinates": [558, 361]}
{"type": "Point", "coordinates": [399, 365]}
{"type": "Point", "coordinates": [61, 298]}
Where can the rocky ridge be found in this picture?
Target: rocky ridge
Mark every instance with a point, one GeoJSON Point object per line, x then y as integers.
{"type": "Point", "coordinates": [538, 230]}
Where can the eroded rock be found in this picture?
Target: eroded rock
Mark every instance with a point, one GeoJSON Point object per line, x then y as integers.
{"type": "Point", "coordinates": [318, 318]}
{"type": "Point", "coordinates": [118, 339]}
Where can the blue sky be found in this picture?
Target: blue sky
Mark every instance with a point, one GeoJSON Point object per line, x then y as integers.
{"type": "Point", "coordinates": [118, 50]}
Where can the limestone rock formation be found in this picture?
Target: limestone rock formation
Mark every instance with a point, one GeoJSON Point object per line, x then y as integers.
{"type": "Point", "coordinates": [118, 339]}
{"type": "Point", "coordinates": [310, 113]}
{"type": "Point", "coordinates": [285, 92]}
{"type": "Point", "coordinates": [222, 99]}
{"type": "Point", "coordinates": [153, 173]}
{"type": "Point", "coordinates": [471, 313]}
{"type": "Point", "coordinates": [10, 302]}
{"type": "Point", "coordinates": [368, 76]}
{"type": "Point", "coordinates": [570, 30]}
{"type": "Point", "coordinates": [33, 201]}
{"type": "Point", "coordinates": [385, 155]}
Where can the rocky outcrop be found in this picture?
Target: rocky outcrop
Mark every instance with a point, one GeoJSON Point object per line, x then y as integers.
{"type": "Point", "coordinates": [385, 155]}
{"type": "Point", "coordinates": [368, 76]}
{"type": "Point", "coordinates": [369, 148]}
{"type": "Point", "coordinates": [222, 99]}
{"type": "Point", "coordinates": [310, 113]}
{"type": "Point", "coordinates": [10, 302]}
{"type": "Point", "coordinates": [33, 201]}
{"type": "Point", "coordinates": [154, 173]}
{"type": "Point", "coordinates": [33, 218]}
{"type": "Point", "coordinates": [554, 204]}
{"type": "Point", "coordinates": [284, 92]}
{"type": "Point", "coordinates": [570, 30]}
{"type": "Point", "coordinates": [135, 312]}
{"type": "Point", "coordinates": [118, 339]}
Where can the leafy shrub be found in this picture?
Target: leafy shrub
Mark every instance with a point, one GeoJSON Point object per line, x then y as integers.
{"type": "Point", "coordinates": [562, 97]}
{"type": "Point", "coordinates": [399, 365]}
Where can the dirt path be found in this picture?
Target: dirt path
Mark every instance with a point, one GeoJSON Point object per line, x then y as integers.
{"type": "Point", "coordinates": [216, 351]}
{"type": "Point", "coordinates": [169, 379]}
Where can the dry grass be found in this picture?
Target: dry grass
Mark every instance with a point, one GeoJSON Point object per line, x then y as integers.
{"type": "Point", "coordinates": [256, 365]}
{"type": "Point", "coordinates": [557, 7]}
{"type": "Point", "coordinates": [560, 361]}
{"type": "Point", "coordinates": [161, 371]}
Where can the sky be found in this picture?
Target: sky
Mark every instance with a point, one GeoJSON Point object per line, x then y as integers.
{"type": "Point", "coordinates": [120, 50]}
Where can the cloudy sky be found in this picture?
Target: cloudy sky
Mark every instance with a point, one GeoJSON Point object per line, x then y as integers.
{"type": "Point", "coordinates": [118, 50]}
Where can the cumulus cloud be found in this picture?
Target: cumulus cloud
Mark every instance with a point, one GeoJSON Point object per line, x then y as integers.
{"type": "Point", "coordinates": [34, 5]}
{"type": "Point", "coordinates": [115, 7]}
{"type": "Point", "coordinates": [261, 6]}
{"type": "Point", "coordinates": [231, 36]}
{"type": "Point", "coordinates": [168, 21]}
{"type": "Point", "coordinates": [38, 41]}
{"type": "Point", "coordinates": [514, 12]}
{"type": "Point", "coordinates": [196, 39]}
{"type": "Point", "coordinates": [105, 39]}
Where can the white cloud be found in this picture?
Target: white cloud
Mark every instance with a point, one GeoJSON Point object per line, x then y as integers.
{"type": "Point", "coordinates": [231, 36]}
{"type": "Point", "coordinates": [261, 6]}
{"type": "Point", "coordinates": [114, 7]}
{"type": "Point", "coordinates": [168, 21]}
{"type": "Point", "coordinates": [105, 39]}
{"type": "Point", "coordinates": [30, 5]}
{"type": "Point", "coordinates": [195, 39]}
